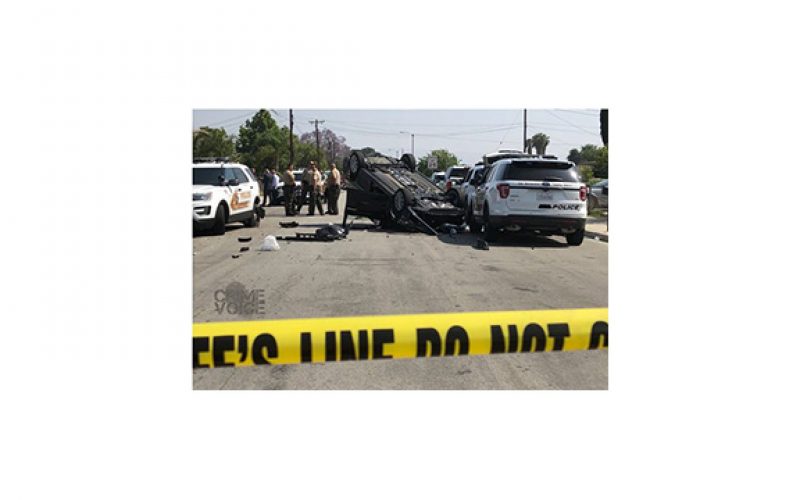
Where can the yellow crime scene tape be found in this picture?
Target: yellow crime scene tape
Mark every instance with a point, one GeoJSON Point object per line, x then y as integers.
{"type": "Point", "coordinates": [319, 340]}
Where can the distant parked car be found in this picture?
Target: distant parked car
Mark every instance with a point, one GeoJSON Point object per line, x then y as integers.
{"type": "Point", "coordinates": [598, 195]}
{"type": "Point", "coordinates": [454, 177]}
{"type": "Point", "coordinates": [438, 179]}
{"type": "Point", "coordinates": [466, 189]}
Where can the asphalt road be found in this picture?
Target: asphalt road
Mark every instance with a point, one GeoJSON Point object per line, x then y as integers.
{"type": "Point", "coordinates": [375, 272]}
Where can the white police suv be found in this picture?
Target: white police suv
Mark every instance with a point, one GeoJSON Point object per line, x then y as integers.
{"type": "Point", "coordinates": [535, 193]}
{"type": "Point", "coordinates": [222, 193]}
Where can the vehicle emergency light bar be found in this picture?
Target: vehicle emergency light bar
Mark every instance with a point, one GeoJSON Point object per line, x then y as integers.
{"type": "Point", "coordinates": [212, 159]}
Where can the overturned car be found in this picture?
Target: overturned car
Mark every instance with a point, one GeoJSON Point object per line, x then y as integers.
{"type": "Point", "coordinates": [392, 192]}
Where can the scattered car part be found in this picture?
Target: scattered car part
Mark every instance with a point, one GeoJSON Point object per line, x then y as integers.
{"type": "Point", "coordinates": [481, 244]}
{"type": "Point", "coordinates": [244, 249]}
{"type": "Point", "coordinates": [245, 239]}
{"type": "Point", "coordinates": [293, 223]}
{"type": "Point", "coordinates": [235, 256]}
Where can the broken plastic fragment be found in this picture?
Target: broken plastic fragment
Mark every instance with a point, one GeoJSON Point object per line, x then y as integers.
{"type": "Point", "coordinates": [269, 244]}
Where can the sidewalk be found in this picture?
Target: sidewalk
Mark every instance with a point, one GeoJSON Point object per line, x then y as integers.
{"type": "Point", "coordinates": [597, 227]}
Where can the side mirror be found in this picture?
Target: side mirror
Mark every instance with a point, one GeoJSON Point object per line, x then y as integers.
{"type": "Point", "coordinates": [232, 182]}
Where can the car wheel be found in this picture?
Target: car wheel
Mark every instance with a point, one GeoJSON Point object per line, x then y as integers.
{"type": "Point", "coordinates": [254, 220]}
{"type": "Point", "coordinates": [220, 217]}
{"type": "Point", "coordinates": [576, 238]}
{"type": "Point", "coordinates": [401, 200]}
{"type": "Point", "coordinates": [410, 162]}
{"type": "Point", "coordinates": [490, 232]}
{"type": "Point", "coordinates": [357, 162]}
{"type": "Point", "coordinates": [474, 227]}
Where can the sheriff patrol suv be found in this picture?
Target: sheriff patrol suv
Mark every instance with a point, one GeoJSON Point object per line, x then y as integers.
{"type": "Point", "coordinates": [222, 193]}
{"type": "Point", "coordinates": [535, 193]}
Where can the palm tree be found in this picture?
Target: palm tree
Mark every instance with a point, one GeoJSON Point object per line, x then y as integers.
{"type": "Point", "coordinates": [540, 142]}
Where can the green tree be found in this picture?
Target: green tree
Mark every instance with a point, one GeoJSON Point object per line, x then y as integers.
{"type": "Point", "coordinates": [574, 156]}
{"type": "Point", "coordinates": [538, 142]}
{"type": "Point", "coordinates": [597, 158]}
{"type": "Point", "coordinates": [262, 143]}
{"type": "Point", "coordinates": [211, 142]}
{"type": "Point", "coordinates": [444, 159]}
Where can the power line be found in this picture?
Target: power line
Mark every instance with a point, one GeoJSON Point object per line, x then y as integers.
{"type": "Point", "coordinates": [233, 119]}
{"type": "Point", "coordinates": [579, 112]}
{"type": "Point", "coordinates": [571, 124]}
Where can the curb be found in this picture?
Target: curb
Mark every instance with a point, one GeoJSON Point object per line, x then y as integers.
{"type": "Point", "coordinates": [601, 236]}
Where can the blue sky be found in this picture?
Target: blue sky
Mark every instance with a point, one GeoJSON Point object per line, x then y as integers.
{"type": "Point", "coordinates": [466, 133]}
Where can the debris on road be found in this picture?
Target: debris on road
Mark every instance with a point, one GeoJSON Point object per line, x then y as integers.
{"type": "Point", "coordinates": [244, 249]}
{"type": "Point", "coordinates": [245, 239]}
{"type": "Point", "coordinates": [235, 256]}
{"type": "Point", "coordinates": [288, 224]}
{"type": "Point", "coordinates": [269, 244]}
{"type": "Point", "coordinates": [481, 244]}
{"type": "Point", "coordinates": [331, 232]}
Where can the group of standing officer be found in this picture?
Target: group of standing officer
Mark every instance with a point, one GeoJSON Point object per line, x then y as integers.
{"type": "Point", "coordinates": [312, 186]}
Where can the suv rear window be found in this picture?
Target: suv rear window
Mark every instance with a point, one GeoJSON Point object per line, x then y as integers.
{"type": "Point", "coordinates": [459, 172]}
{"type": "Point", "coordinates": [541, 171]}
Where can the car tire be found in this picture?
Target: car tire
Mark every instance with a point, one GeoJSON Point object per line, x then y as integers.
{"type": "Point", "coordinates": [400, 201]}
{"type": "Point", "coordinates": [576, 238]}
{"type": "Point", "coordinates": [410, 161]}
{"type": "Point", "coordinates": [452, 197]}
{"type": "Point", "coordinates": [357, 162]}
{"type": "Point", "coordinates": [220, 218]}
{"type": "Point", "coordinates": [254, 220]}
{"type": "Point", "coordinates": [491, 233]}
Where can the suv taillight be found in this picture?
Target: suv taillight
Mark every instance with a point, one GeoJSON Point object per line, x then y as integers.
{"type": "Point", "coordinates": [448, 185]}
{"type": "Point", "coordinates": [503, 190]}
{"type": "Point", "coordinates": [583, 193]}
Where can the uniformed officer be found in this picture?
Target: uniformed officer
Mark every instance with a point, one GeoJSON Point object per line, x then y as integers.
{"type": "Point", "coordinates": [288, 191]}
{"type": "Point", "coordinates": [316, 190]}
{"type": "Point", "coordinates": [334, 188]}
{"type": "Point", "coordinates": [305, 183]}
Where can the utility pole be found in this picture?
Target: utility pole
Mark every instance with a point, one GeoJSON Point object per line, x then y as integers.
{"type": "Point", "coordinates": [412, 139]}
{"type": "Point", "coordinates": [291, 137]}
{"type": "Point", "coordinates": [525, 130]}
{"type": "Point", "coordinates": [316, 133]}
